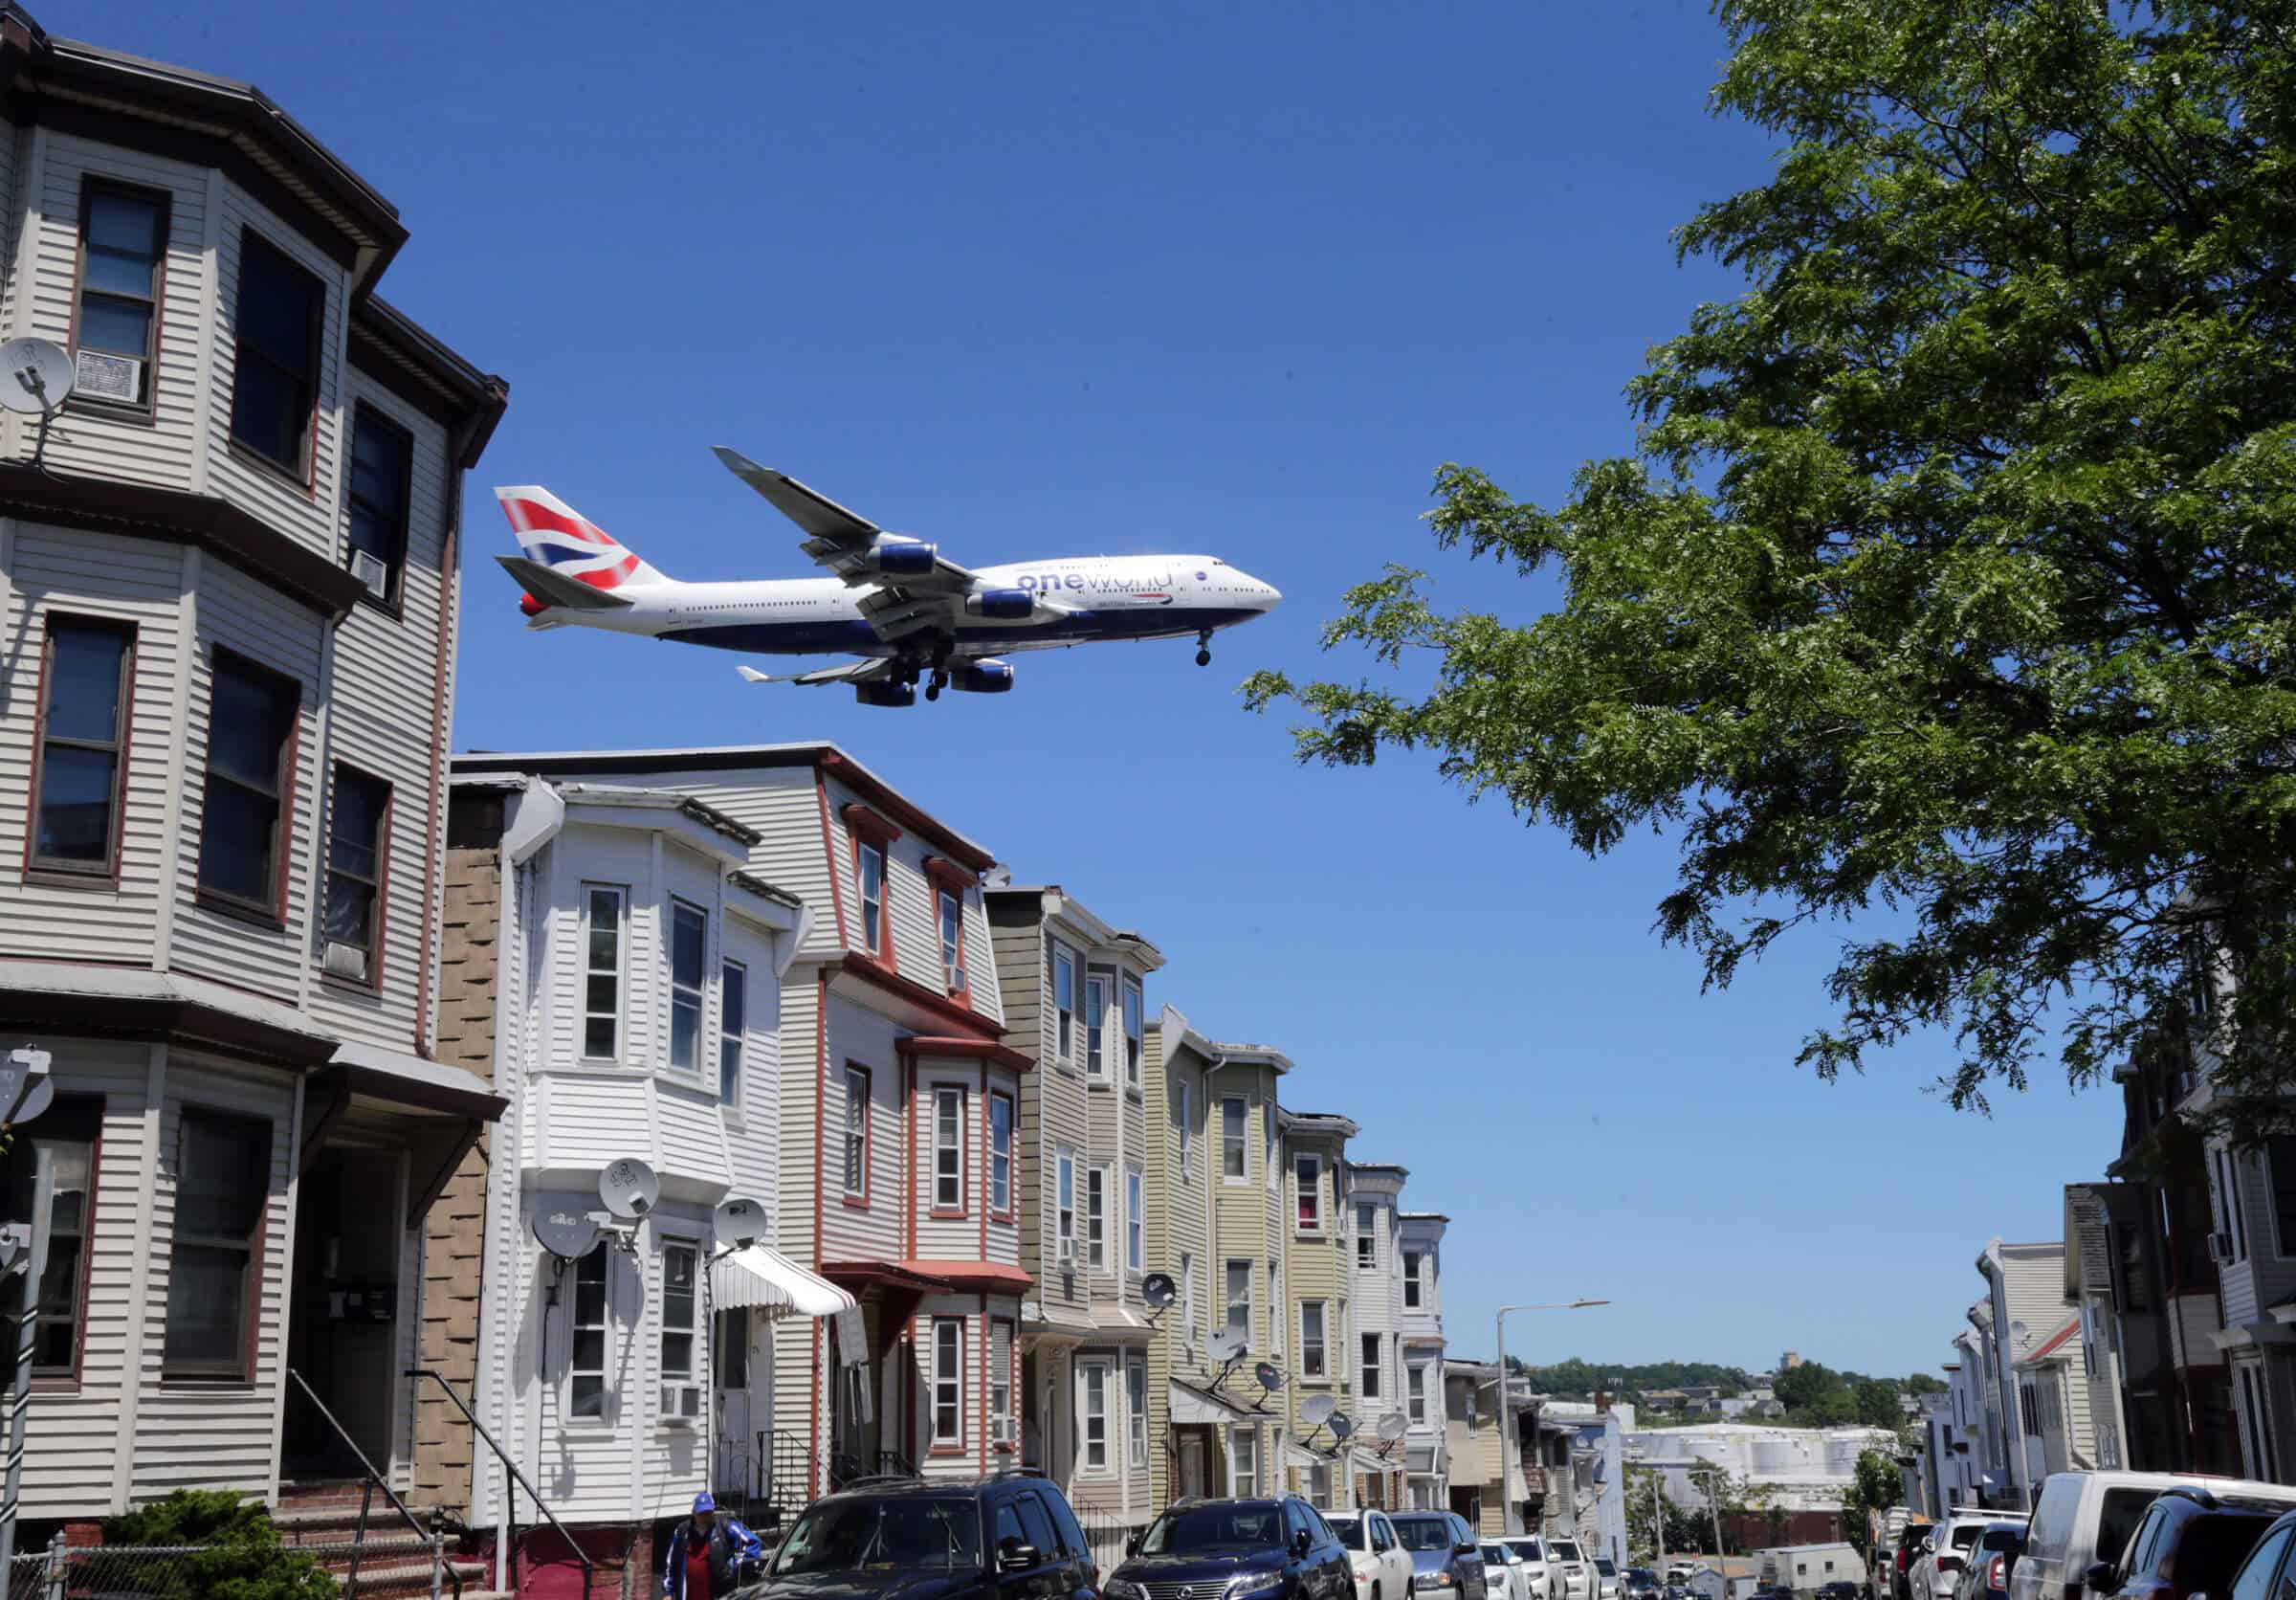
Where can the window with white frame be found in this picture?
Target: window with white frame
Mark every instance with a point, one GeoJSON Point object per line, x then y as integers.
{"type": "Point", "coordinates": [1415, 1389]}
{"type": "Point", "coordinates": [1065, 1223]}
{"type": "Point", "coordinates": [1092, 1376]}
{"type": "Point", "coordinates": [1095, 1218]}
{"type": "Point", "coordinates": [952, 938]}
{"type": "Point", "coordinates": [733, 1002]}
{"type": "Point", "coordinates": [585, 1353]}
{"type": "Point", "coordinates": [1314, 1360]}
{"type": "Point", "coordinates": [1367, 1374]}
{"type": "Point", "coordinates": [948, 1149]}
{"type": "Point", "coordinates": [1268, 1145]}
{"type": "Point", "coordinates": [1367, 1237]}
{"type": "Point", "coordinates": [602, 921]}
{"type": "Point", "coordinates": [1239, 1298]}
{"type": "Point", "coordinates": [1307, 1174]}
{"type": "Point", "coordinates": [689, 946]}
{"type": "Point", "coordinates": [1096, 1018]}
{"type": "Point", "coordinates": [1242, 1462]}
{"type": "Point", "coordinates": [1187, 1293]}
{"type": "Point", "coordinates": [1319, 1486]}
{"type": "Point", "coordinates": [1064, 1003]}
{"type": "Point", "coordinates": [681, 1309]}
{"type": "Point", "coordinates": [1000, 1154]}
{"type": "Point", "coordinates": [1232, 1137]}
{"type": "Point", "coordinates": [948, 1382]}
{"type": "Point", "coordinates": [1133, 1022]}
{"type": "Point", "coordinates": [1275, 1297]}
{"type": "Point", "coordinates": [1185, 1138]}
{"type": "Point", "coordinates": [1136, 1410]}
{"type": "Point", "coordinates": [1134, 1210]}
{"type": "Point", "coordinates": [856, 1133]}
{"type": "Point", "coordinates": [1411, 1280]}
{"type": "Point", "coordinates": [1002, 1417]}
{"type": "Point", "coordinates": [869, 861]}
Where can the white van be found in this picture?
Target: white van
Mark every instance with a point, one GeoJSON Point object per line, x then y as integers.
{"type": "Point", "coordinates": [2083, 1518]}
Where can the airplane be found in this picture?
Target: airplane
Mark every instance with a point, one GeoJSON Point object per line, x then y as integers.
{"type": "Point", "coordinates": [896, 602]}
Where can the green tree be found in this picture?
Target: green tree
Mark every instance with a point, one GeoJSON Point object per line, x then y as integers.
{"type": "Point", "coordinates": [239, 1556]}
{"type": "Point", "coordinates": [1798, 1388]}
{"type": "Point", "coordinates": [1875, 1486]}
{"type": "Point", "coordinates": [1874, 1401]}
{"type": "Point", "coordinates": [1924, 1383]}
{"type": "Point", "coordinates": [1952, 576]}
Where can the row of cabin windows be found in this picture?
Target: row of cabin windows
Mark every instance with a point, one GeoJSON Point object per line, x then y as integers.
{"type": "Point", "coordinates": [79, 773]}
{"type": "Point", "coordinates": [1098, 1179]}
{"type": "Point", "coordinates": [1060, 970]}
{"type": "Point", "coordinates": [222, 1185]}
{"type": "Point", "coordinates": [605, 984]}
{"type": "Point", "coordinates": [279, 315]}
{"type": "Point", "coordinates": [951, 1119]}
{"type": "Point", "coordinates": [876, 923]}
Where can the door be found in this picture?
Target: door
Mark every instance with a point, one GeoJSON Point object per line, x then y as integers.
{"type": "Point", "coordinates": [342, 1333]}
{"type": "Point", "coordinates": [1191, 1463]}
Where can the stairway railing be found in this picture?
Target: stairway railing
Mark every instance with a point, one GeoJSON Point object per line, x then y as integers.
{"type": "Point", "coordinates": [366, 1496]}
{"type": "Point", "coordinates": [509, 1500]}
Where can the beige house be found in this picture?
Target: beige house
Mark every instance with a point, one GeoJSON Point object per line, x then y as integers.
{"type": "Point", "coordinates": [227, 625]}
{"type": "Point", "coordinates": [1325, 1460]}
{"type": "Point", "coordinates": [1075, 992]}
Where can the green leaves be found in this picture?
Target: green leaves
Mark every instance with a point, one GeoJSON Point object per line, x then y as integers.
{"type": "Point", "coordinates": [1949, 575]}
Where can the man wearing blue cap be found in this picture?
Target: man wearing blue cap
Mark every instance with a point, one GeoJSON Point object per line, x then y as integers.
{"type": "Point", "coordinates": [705, 1555]}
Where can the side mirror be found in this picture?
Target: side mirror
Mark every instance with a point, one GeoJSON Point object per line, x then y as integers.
{"type": "Point", "coordinates": [1466, 1549]}
{"type": "Point", "coordinates": [1302, 1542]}
{"type": "Point", "coordinates": [1013, 1556]}
{"type": "Point", "coordinates": [1132, 1547]}
{"type": "Point", "coordinates": [2100, 1576]}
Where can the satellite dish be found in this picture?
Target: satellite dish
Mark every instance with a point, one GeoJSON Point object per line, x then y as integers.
{"type": "Point", "coordinates": [1158, 1290]}
{"type": "Point", "coordinates": [38, 1095]}
{"type": "Point", "coordinates": [1343, 1425]}
{"type": "Point", "coordinates": [1270, 1376]}
{"type": "Point", "coordinates": [1394, 1426]}
{"type": "Point", "coordinates": [565, 1232]}
{"type": "Point", "coordinates": [35, 376]}
{"type": "Point", "coordinates": [739, 1222]}
{"type": "Point", "coordinates": [1225, 1345]}
{"type": "Point", "coordinates": [1317, 1409]}
{"type": "Point", "coordinates": [629, 1188]}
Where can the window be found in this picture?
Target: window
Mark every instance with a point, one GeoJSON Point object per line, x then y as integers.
{"type": "Point", "coordinates": [1065, 1225]}
{"type": "Point", "coordinates": [678, 1303]}
{"type": "Point", "coordinates": [2281, 1155]}
{"type": "Point", "coordinates": [1415, 1391]}
{"type": "Point", "coordinates": [689, 942]}
{"type": "Point", "coordinates": [1239, 1298]}
{"type": "Point", "coordinates": [1367, 1374]}
{"type": "Point", "coordinates": [948, 1149]}
{"type": "Point", "coordinates": [1000, 1154]}
{"type": "Point", "coordinates": [586, 1356]}
{"type": "Point", "coordinates": [68, 1131]}
{"type": "Point", "coordinates": [2228, 1204]}
{"type": "Point", "coordinates": [1344, 1346]}
{"type": "Point", "coordinates": [274, 380]}
{"type": "Point", "coordinates": [602, 971]}
{"type": "Point", "coordinates": [733, 1033]}
{"type": "Point", "coordinates": [870, 867]}
{"type": "Point", "coordinates": [250, 751]}
{"type": "Point", "coordinates": [1064, 1003]}
{"type": "Point", "coordinates": [1411, 1280]}
{"type": "Point", "coordinates": [1133, 1219]}
{"type": "Point", "coordinates": [122, 244]}
{"type": "Point", "coordinates": [1004, 1424]}
{"type": "Point", "coordinates": [1307, 1175]}
{"type": "Point", "coordinates": [2028, 1410]}
{"type": "Point", "coordinates": [1231, 1139]}
{"type": "Point", "coordinates": [1275, 1297]}
{"type": "Point", "coordinates": [382, 484]}
{"type": "Point", "coordinates": [1243, 1464]}
{"type": "Point", "coordinates": [856, 1133]}
{"type": "Point", "coordinates": [1093, 1375]}
{"type": "Point", "coordinates": [1185, 1138]}
{"type": "Point", "coordinates": [1136, 1411]}
{"type": "Point", "coordinates": [222, 1193]}
{"type": "Point", "coordinates": [1131, 1033]}
{"type": "Point", "coordinates": [1187, 1293]}
{"type": "Point", "coordinates": [1096, 1011]}
{"type": "Point", "coordinates": [1367, 1237]}
{"type": "Point", "coordinates": [2254, 1580]}
{"type": "Point", "coordinates": [358, 851]}
{"type": "Point", "coordinates": [1313, 1361]}
{"type": "Point", "coordinates": [1319, 1485]}
{"type": "Point", "coordinates": [1095, 1218]}
{"type": "Point", "coordinates": [948, 1383]}
{"type": "Point", "coordinates": [952, 939]}
{"type": "Point", "coordinates": [85, 676]}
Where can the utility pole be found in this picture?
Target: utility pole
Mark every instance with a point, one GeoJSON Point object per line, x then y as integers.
{"type": "Point", "coordinates": [1507, 1516]}
{"type": "Point", "coordinates": [1658, 1515]}
{"type": "Point", "coordinates": [1713, 1499]}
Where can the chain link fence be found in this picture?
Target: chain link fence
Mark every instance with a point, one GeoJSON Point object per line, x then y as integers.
{"type": "Point", "coordinates": [397, 1567]}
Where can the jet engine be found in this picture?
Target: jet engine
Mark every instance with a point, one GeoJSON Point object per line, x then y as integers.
{"type": "Point", "coordinates": [901, 558]}
{"type": "Point", "coordinates": [1001, 605]}
{"type": "Point", "coordinates": [883, 693]}
{"type": "Point", "coordinates": [981, 678]}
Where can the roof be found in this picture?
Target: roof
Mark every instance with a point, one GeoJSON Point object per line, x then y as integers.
{"type": "Point", "coordinates": [1422, 1216]}
{"type": "Point", "coordinates": [757, 886]}
{"type": "Point", "coordinates": [1056, 902]}
{"type": "Point", "coordinates": [2054, 1343]}
{"type": "Point", "coordinates": [1239, 1054]}
{"type": "Point", "coordinates": [1330, 1123]}
{"type": "Point", "coordinates": [662, 799]}
{"type": "Point", "coordinates": [819, 754]}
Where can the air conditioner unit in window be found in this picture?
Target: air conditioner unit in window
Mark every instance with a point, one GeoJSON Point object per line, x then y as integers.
{"type": "Point", "coordinates": [1067, 1253]}
{"type": "Point", "coordinates": [371, 571]}
{"type": "Point", "coordinates": [2220, 1248]}
{"type": "Point", "coordinates": [103, 376]}
{"type": "Point", "coordinates": [1004, 1430]}
{"type": "Point", "coordinates": [955, 975]}
{"type": "Point", "coordinates": [343, 961]}
{"type": "Point", "coordinates": [681, 1404]}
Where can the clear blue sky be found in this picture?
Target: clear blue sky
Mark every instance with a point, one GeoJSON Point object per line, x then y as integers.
{"type": "Point", "coordinates": [1033, 281]}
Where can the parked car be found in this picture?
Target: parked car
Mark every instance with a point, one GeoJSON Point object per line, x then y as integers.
{"type": "Point", "coordinates": [1991, 1559]}
{"type": "Point", "coordinates": [2190, 1542]}
{"type": "Point", "coordinates": [2267, 1572]}
{"type": "Point", "coordinates": [1569, 1577]}
{"type": "Point", "coordinates": [1909, 1539]}
{"type": "Point", "coordinates": [1503, 1574]}
{"type": "Point", "coordinates": [1382, 1565]}
{"type": "Point", "coordinates": [1639, 1583]}
{"type": "Point", "coordinates": [907, 1536]}
{"type": "Point", "coordinates": [1279, 1548]}
{"type": "Point", "coordinates": [1447, 1558]}
{"type": "Point", "coordinates": [1838, 1589]}
{"type": "Point", "coordinates": [1936, 1572]}
{"type": "Point", "coordinates": [1538, 1569]}
{"type": "Point", "coordinates": [1606, 1578]}
{"type": "Point", "coordinates": [2083, 1518]}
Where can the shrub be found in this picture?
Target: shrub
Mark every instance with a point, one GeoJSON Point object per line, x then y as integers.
{"type": "Point", "coordinates": [240, 1556]}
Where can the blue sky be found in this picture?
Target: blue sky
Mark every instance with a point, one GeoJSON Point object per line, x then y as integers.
{"type": "Point", "coordinates": [1033, 281]}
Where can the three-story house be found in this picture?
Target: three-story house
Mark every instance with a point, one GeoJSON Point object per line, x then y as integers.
{"type": "Point", "coordinates": [226, 627]}
{"type": "Point", "coordinates": [1374, 1199]}
{"type": "Point", "coordinates": [1322, 1461]}
{"type": "Point", "coordinates": [1420, 1338]}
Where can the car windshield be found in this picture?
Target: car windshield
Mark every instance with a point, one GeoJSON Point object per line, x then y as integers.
{"type": "Point", "coordinates": [2002, 1538]}
{"type": "Point", "coordinates": [1348, 1530]}
{"type": "Point", "coordinates": [882, 1533]}
{"type": "Point", "coordinates": [1565, 1550]}
{"type": "Point", "coordinates": [1424, 1533]}
{"type": "Point", "coordinates": [1608, 1567]}
{"type": "Point", "coordinates": [1228, 1525]}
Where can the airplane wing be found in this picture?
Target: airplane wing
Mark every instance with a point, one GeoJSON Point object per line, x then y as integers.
{"type": "Point", "coordinates": [840, 541]}
{"type": "Point", "coordinates": [845, 672]}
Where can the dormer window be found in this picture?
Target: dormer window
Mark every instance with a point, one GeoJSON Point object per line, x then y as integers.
{"type": "Point", "coordinates": [275, 379]}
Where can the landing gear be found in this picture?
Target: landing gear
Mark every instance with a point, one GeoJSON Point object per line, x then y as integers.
{"type": "Point", "coordinates": [1204, 647]}
{"type": "Point", "coordinates": [935, 684]}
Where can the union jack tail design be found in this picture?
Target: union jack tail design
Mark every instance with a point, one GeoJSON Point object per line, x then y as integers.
{"type": "Point", "coordinates": [559, 537]}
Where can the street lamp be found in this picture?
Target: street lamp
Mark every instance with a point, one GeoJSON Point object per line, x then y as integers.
{"type": "Point", "coordinates": [1506, 1423]}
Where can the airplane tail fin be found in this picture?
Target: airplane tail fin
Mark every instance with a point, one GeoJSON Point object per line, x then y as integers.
{"type": "Point", "coordinates": [555, 535]}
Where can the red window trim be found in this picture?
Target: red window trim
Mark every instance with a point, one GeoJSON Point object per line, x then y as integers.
{"type": "Point", "coordinates": [393, 601]}
{"type": "Point", "coordinates": [251, 1339]}
{"type": "Point", "coordinates": [305, 476]}
{"type": "Point", "coordinates": [289, 763]}
{"type": "Point", "coordinates": [868, 1147]}
{"type": "Point", "coordinates": [942, 890]}
{"type": "Point", "coordinates": [883, 953]}
{"type": "Point", "coordinates": [948, 875]}
{"type": "Point", "coordinates": [1012, 1161]}
{"type": "Point", "coordinates": [866, 824]}
{"type": "Point", "coordinates": [1299, 1224]}
{"type": "Point", "coordinates": [390, 805]}
{"type": "Point", "coordinates": [964, 1208]}
{"type": "Point", "coordinates": [1012, 1380]}
{"type": "Point", "coordinates": [148, 408]}
{"type": "Point", "coordinates": [37, 871]}
{"type": "Point", "coordinates": [933, 1444]}
{"type": "Point", "coordinates": [54, 1381]}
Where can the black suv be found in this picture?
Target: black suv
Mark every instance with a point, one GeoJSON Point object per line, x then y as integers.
{"type": "Point", "coordinates": [1012, 1536]}
{"type": "Point", "coordinates": [1235, 1550]}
